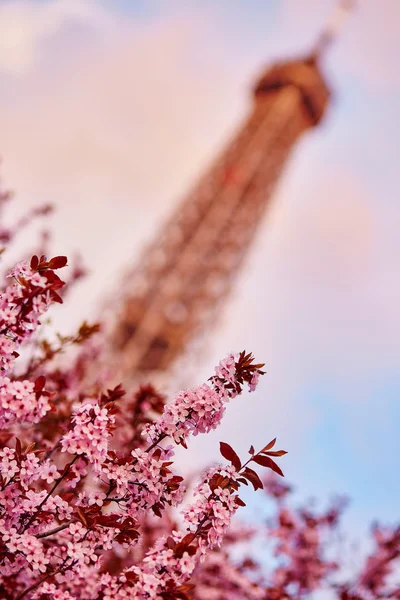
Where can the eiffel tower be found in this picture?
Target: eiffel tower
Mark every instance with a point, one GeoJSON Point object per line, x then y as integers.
{"type": "Point", "coordinates": [184, 276]}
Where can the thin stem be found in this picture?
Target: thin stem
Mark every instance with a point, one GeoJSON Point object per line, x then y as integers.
{"type": "Point", "coordinates": [55, 530]}
{"type": "Point", "coordinates": [35, 585]}
{"type": "Point", "coordinates": [42, 580]}
{"type": "Point", "coordinates": [56, 484]}
{"type": "Point", "coordinates": [154, 444]}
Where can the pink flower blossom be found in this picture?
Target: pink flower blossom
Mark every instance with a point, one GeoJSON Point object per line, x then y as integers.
{"type": "Point", "coordinates": [90, 433]}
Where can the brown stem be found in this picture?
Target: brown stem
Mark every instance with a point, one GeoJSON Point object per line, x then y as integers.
{"type": "Point", "coordinates": [53, 531]}
{"type": "Point", "coordinates": [250, 459]}
{"type": "Point", "coordinates": [42, 580]}
{"type": "Point", "coordinates": [56, 484]}
{"type": "Point", "coordinates": [198, 530]}
{"type": "Point", "coordinates": [54, 448]}
{"type": "Point", "coordinates": [35, 585]}
{"type": "Point", "coordinates": [154, 444]}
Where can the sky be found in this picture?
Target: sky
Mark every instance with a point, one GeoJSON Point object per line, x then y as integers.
{"type": "Point", "coordinates": [110, 110]}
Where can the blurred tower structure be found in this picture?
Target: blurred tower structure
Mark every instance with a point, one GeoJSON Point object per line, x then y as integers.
{"type": "Point", "coordinates": [188, 270]}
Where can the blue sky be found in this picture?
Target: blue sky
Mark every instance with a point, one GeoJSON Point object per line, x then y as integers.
{"type": "Point", "coordinates": [110, 110]}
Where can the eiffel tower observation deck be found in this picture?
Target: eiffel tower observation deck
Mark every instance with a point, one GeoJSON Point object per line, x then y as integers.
{"type": "Point", "coordinates": [183, 277]}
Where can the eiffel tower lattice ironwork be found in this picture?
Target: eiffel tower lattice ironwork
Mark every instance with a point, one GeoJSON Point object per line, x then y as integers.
{"type": "Point", "coordinates": [189, 269]}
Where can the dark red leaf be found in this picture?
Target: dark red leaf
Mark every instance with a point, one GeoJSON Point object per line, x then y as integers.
{"type": "Point", "coordinates": [251, 451]}
{"type": "Point", "coordinates": [81, 516]}
{"type": "Point", "coordinates": [56, 297]}
{"type": "Point", "coordinates": [183, 546]}
{"type": "Point", "coordinates": [58, 262]}
{"type": "Point", "coordinates": [156, 510]}
{"type": "Point", "coordinates": [30, 448]}
{"type": "Point", "coordinates": [269, 446]}
{"type": "Point", "coordinates": [34, 262]}
{"type": "Point", "coordinates": [228, 452]}
{"type": "Point", "coordinates": [265, 461]}
{"type": "Point", "coordinates": [18, 447]}
{"type": "Point", "coordinates": [54, 280]}
{"type": "Point", "coordinates": [170, 542]}
{"type": "Point", "coordinates": [175, 479]}
{"type": "Point", "coordinates": [186, 587]}
{"type": "Point", "coordinates": [187, 539]}
{"type": "Point", "coordinates": [253, 478]}
{"type": "Point", "coordinates": [239, 501]}
{"type": "Point", "coordinates": [131, 576]}
{"type": "Point", "coordinates": [276, 453]}
{"type": "Point", "coordinates": [40, 383]}
{"type": "Point", "coordinates": [242, 480]}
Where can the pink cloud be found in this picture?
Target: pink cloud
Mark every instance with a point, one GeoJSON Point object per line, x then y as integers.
{"type": "Point", "coordinates": [25, 25]}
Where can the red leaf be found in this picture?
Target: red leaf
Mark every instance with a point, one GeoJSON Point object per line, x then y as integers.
{"type": "Point", "coordinates": [34, 262]}
{"type": "Point", "coordinates": [269, 446]}
{"type": "Point", "coordinates": [253, 478]}
{"type": "Point", "coordinates": [170, 542]}
{"type": "Point", "coordinates": [276, 453]}
{"type": "Point", "coordinates": [55, 297]}
{"type": "Point", "coordinates": [184, 545]}
{"type": "Point", "coordinates": [265, 461]}
{"type": "Point", "coordinates": [30, 448]}
{"type": "Point", "coordinates": [187, 539]}
{"type": "Point", "coordinates": [81, 516]}
{"type": "Point", "coordinates": [40, 383]}
{"type": "Point", "coordinates": [18, 447]}
{"type": "Point", "coordinates": [228, 452]}
{"type": "Point", "coordinates": [156, 510]}
{"type": "Point", "coordinates": [131, 577]}
{"type": "Point", "coordinates": [251, 451]}
{"type": "Point", "coordinates": [54, 280]}
{"type": "Point", "coordinates": [242, 480]}
{"type": "Point", "coordinates": [57, 262]}
{"type": "Point", "coordinates": [175, 479]}
{"type": "Point", "coordinates": [239, 501]}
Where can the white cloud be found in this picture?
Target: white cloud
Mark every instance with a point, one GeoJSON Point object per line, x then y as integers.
{"type": "Point", "coordinates": [26, 24]}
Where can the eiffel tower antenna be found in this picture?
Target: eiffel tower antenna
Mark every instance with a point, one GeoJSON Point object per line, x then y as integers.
{"type": "Point", "coordinates": [333, 27]}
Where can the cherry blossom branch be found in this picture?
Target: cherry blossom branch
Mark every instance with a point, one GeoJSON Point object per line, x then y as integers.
{"type": "Point", "coordinates": [54, 531]}
{"type": "Point", "coordinates": [50, 493]}
{"type": "Point", "coordinates": [43, 579]}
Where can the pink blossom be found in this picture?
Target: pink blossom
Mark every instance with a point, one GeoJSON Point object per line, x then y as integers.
{"type": "Point", "coordinates": [90, 433]}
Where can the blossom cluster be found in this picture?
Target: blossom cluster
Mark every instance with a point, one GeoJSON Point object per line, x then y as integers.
{"type": "Point", "coordinates": [174, 558]}
{"type": "Point", "coordinates": [74, 494]}
{"type": "Point", "coordinates": [90, 433]}
{"type": "Point", "coordinates": [200, 410]}
{"type": "Point", "coordinates": [22, 303]}
{"type": "Point", "coordinates": [218, 577]}
{"type": "Point", "coordinates": [206, 520]}
{"type": "Point", "coordinates": [144, 481]}
{"type": "Point", "coordinates": [215, 504]}
{"type": "Point", "coordinates": [19, 402]}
